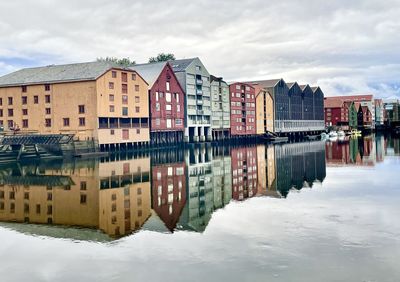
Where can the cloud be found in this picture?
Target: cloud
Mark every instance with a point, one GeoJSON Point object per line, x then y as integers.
{"type": "Point", "coordinates": [342, 46]}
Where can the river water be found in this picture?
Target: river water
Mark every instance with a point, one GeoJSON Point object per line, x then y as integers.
{"type": "Point", "coordinates": [310, 211]}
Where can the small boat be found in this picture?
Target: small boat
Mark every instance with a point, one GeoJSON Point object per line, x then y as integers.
{"type": "Point", "coordinates": [340, 133]}
{"type": "Point", "coordinates": [324, 136]}
{"type": "Point", "coordinates": [333, 134]}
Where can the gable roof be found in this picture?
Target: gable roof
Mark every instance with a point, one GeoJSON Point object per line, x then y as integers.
{"type": "Point", "coordinates": [290, 84]}
{"type": "Point", "coordinates": [265, 83]}
{"type": "Point", "coordinates": [359, 98]}
{"type": "Point", "coordinates": [181, 65]}
{"type": "Point", "coordinates": [56, 73]}
{"type": "Point", "coordinates": [332, 102]}
{"type": "Point", "coordinates": [304, 86]}
{"type": "Point", "coordinates": [150, 72]}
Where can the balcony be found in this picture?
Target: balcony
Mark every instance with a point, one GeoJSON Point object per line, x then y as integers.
{"type": "Point", "coordinates": [199, 92]}
{"type": "Point", "coordinates": [199, 81]}
{"type": "Point", "coordinates": [200, 112]}
{"type": "Point", "coordinates": [199, 102]}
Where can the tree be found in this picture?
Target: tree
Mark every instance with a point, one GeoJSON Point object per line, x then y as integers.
{"type": "Point", "coordinates": [162, 57]}
{"type": "Point", "coordinates": [123, 62]}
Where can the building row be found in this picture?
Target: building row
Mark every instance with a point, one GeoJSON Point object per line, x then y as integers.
{"type": "Point", "coordinates": [354, 111]}
{"type": "Point", "coordinates": [155, 103]}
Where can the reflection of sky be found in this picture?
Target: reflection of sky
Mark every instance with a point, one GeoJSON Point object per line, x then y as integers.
{"type": "Point", "coordinates": [346, 229]}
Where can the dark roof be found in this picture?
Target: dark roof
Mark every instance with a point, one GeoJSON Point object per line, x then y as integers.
{"type": "Point", "coordinates": [56, 73]}
{"type": "Point", "coordinates": [181, 65]}
{"type": "Point", "coordinates": [304, 86]}
{"type": "Point", "coordinates": [215, 78]}
{"type": "Point", "coordinates": [150, 72]}
{"type": "Point", "coordinates": [265, 83]}
{"type": "Point", "coordinates": [314, 88]}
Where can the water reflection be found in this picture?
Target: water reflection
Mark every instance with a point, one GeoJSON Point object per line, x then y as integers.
{"type": "Point", "coordinates": [365, 151]}
{"type": "Point", "coordinates": [166, 190]}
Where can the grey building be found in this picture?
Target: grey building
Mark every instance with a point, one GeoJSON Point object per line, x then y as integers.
{"type": "Point", "coordinates": [221, 113]}
{"type": "Point", "coordinates": [195, 80]}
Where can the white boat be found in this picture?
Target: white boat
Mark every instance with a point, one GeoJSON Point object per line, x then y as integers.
{"type": "Point", "coordinates": [333, 134]}
{"type": "Point", "coordinates": [341, 133]}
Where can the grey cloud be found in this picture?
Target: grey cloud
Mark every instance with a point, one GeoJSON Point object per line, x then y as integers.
{"type": "Point", "coordinates": [330, 43]}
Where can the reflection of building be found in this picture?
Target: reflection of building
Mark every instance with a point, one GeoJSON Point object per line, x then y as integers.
{"type": "Point", "coordinates": [361, 151]}
{"type": "Point", "coordinates": [200, 195]}
{"type": "Point", "coordinates": [222, 177]}
{"type": "Point", "coordinates": [124, 195]}
{"type": "Point", "coordinates": [298, 165]}
{"type": "Point", "coordinates": [244, 172]}
{"type": "Point", "coordinates": [169, 192]}
{"type": "Point", "coordinates": [220, 106]}
{"type": "Point", "coordinates": [68, 194]}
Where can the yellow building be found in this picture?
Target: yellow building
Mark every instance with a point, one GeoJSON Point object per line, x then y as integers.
{"type": "Point", "coordinates": [95, 101]}
{"type": "Point", "coordinates": [264, 111]}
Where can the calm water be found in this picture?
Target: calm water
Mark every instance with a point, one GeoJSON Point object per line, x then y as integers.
{"type": "Point", "coordinates": [313, 211]}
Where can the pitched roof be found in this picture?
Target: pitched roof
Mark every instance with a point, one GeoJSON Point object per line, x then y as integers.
{"type": "Point", "coordinates": [290, 84]}
{"type": "Point", "coordinates": [264, 83]}
{"type": "Point", "coordinates": [56, 73]}
{"type": "Point", "coordinates": [304, 86]}
{"type": "Point", "coordinates": [332, 102]}
{"type": "Point", "coordinates": [181, 65]}
{"type": "Point", "coordinates": [356, 97]}
{"type": "Point", "coordinates": [150, 72]}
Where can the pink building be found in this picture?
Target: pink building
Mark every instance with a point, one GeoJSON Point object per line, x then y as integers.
{"type": "Point", "coordinates": [243, 109]}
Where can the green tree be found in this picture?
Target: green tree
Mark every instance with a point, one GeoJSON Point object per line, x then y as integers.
{"type": "Point", "coordinates": [123, 62]}
{"type": "Point", "coordinates": [162, 57]}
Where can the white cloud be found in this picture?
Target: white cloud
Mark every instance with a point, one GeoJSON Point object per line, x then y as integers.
{"type": "Point", "coordinates": [337, 44]}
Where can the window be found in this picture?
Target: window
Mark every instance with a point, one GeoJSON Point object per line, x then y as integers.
{"type": "Point", "coordinates": [157, 121]}
{"type": "Point", "coordinates": [124, 111]}
{"type": "Point", "coordinates": [38, 209]}
{"type": "Point", "coordinates": [136, 87]}
{"type": "Point", "coordinates": [156, 96]}
{"type": "Point", "coordinates": [111, 85]}
{"type": "Point", "coordinates": [10, 100]}
{"type": "Point", "coordinates": [83, 185]}
{"type": "Point", "coordinates": [178, 121]}
{"type": "Point", "coordinates": [47, 122]}
{"type": "Point", "coordinates": [124, 77]}
{"type": "Point", "coordinates": [10, 112]}
{"type": "Point", "coordinates": [66, 121]}
{"type": "Point", "coordinates": [124, 88]}
{"type": "Point", "coordinates": [138, 131]}
{"type": "Point", "coordinates": [83, 198]}
{"type": "Point", "coordinates": [112, 108]}
{"type": "Point", "coordinates": [10, 123]}
{"type": "Point", "coordinates": [198, 68]}
{"type": "Point", "coordinates": [47, 87]}
{"type": "Point", "coordinates": [167, 85]}
{"type": "Point", "coordinates": [133, 76]}
{"type": "Point", "coordinates": [112, 132]}
{"type": "Point", "coordinates": [36, 99]}
{"type": "Point", "coordinates": [137, 99]}
{"type": "Point", "coordinates": [124, 99]}
{"type": "Point", "coordinates": [111, 98]}
{"type": "Point", "coordinates": [168, 97]}
{"type": "Point", "coordinates": [47, 98]}
{"type": "Point", "coordinates": [1, 101]}
{"type": "Point", "coordinates": [157, 107]}
{"type": "Point", "coordinates": [81, 109]}
{"type": "Point", "coordinates": [48, 111]}
{"type": "Point", "coordinates": [23, 88]}
{"type": "Point", "coordinates": [24, 100]}
{"type": "Point", "coordinates": [178, 108]}
{"type": "Point", "coordinates": [168, 107]}
{"type": "Point", "coordinates": [114, 74]}
{"type": "Point", "coordinates": [177, 97]}
{"type": "Point", "coordinates": [137, 109]}
{"type": "Point", "coordinates": [1, 112]}
{"type": "Point", "coordinates": [82, 122]}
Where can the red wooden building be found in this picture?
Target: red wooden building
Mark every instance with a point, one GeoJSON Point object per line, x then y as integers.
{"type": "Point", "coordinates": [336, 112]}
{"type": "Point", "coordinates": [167, 102]}
{"type": "Point", "coordinates": [243, 109]}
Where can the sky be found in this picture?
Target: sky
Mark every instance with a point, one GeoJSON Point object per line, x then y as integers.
{"type": "Point", "coordinates": [346, 47]}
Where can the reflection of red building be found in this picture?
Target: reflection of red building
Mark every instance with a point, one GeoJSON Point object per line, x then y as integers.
{"type": "Point", "coordinates": [337, 153]}
{"type": "Point", "coordinates": [243, 109]}
{"type": "Point", "coordinates": [244, 172]}
{"type": "Point", "coordinates": [169, 192]}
